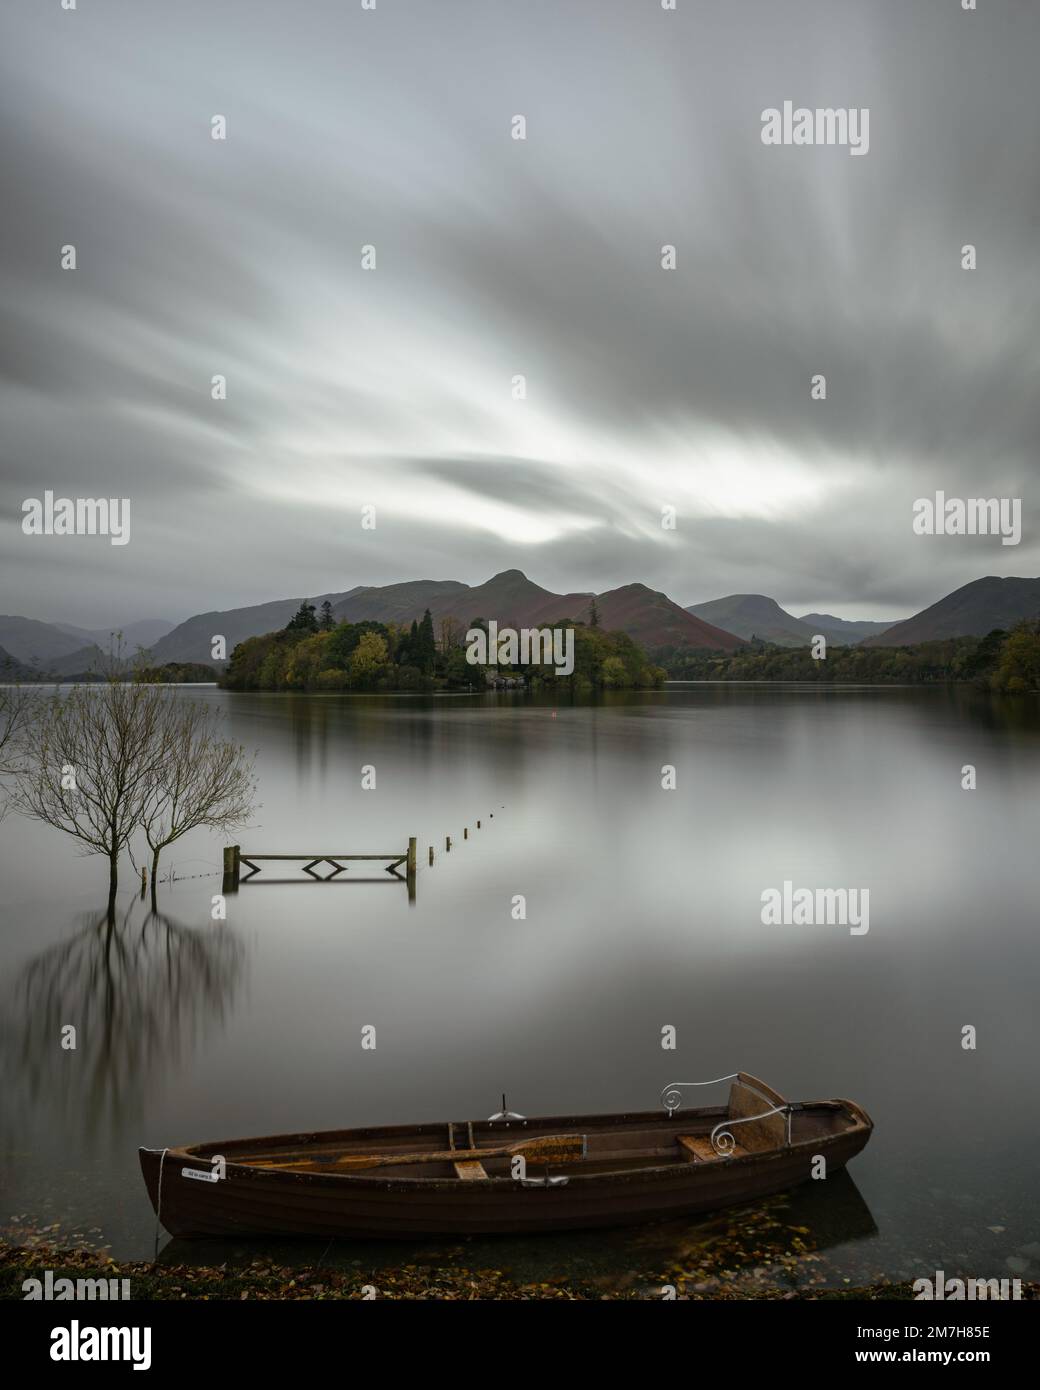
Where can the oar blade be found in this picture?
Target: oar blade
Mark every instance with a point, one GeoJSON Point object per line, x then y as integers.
{"type": "Point", "coordinates": [555, 1148]}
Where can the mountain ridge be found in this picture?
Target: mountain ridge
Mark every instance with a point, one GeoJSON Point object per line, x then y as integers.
{"type": "Point", "coordinates": [754, 615]}
{"type": "Point", "coordinates": [845, 631]}
{"type": "Point", "coordinates": [973, 610]}
{"type": "Point", "coordinates": [649, 616]}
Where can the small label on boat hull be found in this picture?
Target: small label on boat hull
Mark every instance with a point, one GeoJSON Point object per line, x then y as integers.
{"type": "Point", "coordinates": [201, 1174]}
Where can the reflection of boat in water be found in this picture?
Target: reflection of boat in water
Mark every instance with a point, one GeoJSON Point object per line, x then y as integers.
{"type": "Point", "coordinates": [835, 1211]}
{"type": "Point", "coordinates": [578, 1171]}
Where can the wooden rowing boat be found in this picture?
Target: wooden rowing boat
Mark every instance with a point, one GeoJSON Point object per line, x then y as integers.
{"type": "Point", "coordinates": [507, 1173]}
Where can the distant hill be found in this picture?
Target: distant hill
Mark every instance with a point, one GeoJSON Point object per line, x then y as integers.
{"type": "Point", "coordinates": [396, 603]}
{"type": "Point", "coordinates": [755, 615]}
{"type": "Point", "coordinates": [843, 631]}
{"type": "Point", "coordinates": [63, 649]}
{"type": "Point", "coordinates": [510, 598]}
{"type": "Point", "coordinates": [653, 620]}
{"type": "Point", "coordinates": [92, 660]}
{"type": "Point", "coordinates": [34, 642]}
{"type": "Point", "coordinates": [139, 634]}
{"type": "Point", "coordinates": [648, 616]}
{"type": "Point", "coordinates": [192, 639]}
{"type": "Point", "coordinates": [11, 669]}
{"type": "Point", "coordinates": [513, 600]}
{"type": "Point", "coordinates": [971, 611]}
{"type": "Point", "coordinates": [83, 663]}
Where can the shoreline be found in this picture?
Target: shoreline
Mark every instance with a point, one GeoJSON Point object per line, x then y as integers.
{"type": "Point", "coordinates": [265, 1281]}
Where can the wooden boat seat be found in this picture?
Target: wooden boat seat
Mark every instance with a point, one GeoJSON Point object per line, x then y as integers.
{"type": "Point", "coordinates": [471, 1171]}
{"type": "Point", "coordinates": [697, 1148]}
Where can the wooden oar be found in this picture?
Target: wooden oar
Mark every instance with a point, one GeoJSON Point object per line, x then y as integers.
{"type": "Point", "coordinates": [557, 1148]}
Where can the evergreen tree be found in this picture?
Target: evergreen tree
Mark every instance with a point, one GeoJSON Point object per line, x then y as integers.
{"type": "Point", "coordinates": [408, 651]}
{"type": "Point", "coordinates": [327, 622]}
{"type": "Point", "coordinates": [303, 620]}
{"type": "Point", "coordinates": [426, 643]}
{"type": "Point", "coordinates": [593, 614]}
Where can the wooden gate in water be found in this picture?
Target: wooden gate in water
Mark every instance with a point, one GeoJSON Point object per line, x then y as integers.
{"type": "Point", "coordinates": [234, 858]}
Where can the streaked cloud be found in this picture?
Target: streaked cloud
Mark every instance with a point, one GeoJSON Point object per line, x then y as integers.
{"type": "Point", "coordinates": [497, 257]}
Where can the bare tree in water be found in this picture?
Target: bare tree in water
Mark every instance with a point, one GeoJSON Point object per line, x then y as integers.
{"type": "Point", "coordinates": [15, 715]}
{"type": "Point", "coordinates": [202, 780]}
{"type": "Point", "coordinates": [89, 757]}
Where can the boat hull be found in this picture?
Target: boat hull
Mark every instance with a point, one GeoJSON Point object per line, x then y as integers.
{"type": "Point", "coordinates": [257, 1201]}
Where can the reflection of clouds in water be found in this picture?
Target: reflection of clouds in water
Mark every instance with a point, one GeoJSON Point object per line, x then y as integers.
{"type": "Point", "coordinates": [141, 990]}
{"type": "Point", "coordinates": [643, 910]}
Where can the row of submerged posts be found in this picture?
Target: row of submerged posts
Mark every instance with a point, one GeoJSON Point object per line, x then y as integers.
{"type": "Point", "coordinates": [336, 864]}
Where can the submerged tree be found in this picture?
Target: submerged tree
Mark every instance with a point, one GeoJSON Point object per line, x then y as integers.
{"type": "Point", "coordinates": [15, 714]}
{"type": "Point", "coordinates": [201, 780]}
{"type": "Point", "coordinates": [14, 710]}
{"type": "Point", "coordinates": [89, 757]}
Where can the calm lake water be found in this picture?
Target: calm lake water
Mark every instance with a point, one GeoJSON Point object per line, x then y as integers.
{"type": "Point", "coordinates": [643, 910]}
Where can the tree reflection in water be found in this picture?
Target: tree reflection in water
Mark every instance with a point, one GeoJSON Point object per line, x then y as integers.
{"type": "Point", "coordinates": [141, 990]}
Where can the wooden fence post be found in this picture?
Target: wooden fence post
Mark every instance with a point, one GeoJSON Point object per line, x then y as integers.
{"type": "Point", "coordinates": [411, 866]}
{"type": "Point", "coordinates": [232, 867]}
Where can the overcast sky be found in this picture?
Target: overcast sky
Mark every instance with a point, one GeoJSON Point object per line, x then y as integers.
{"type": "Point", "coordinates": [498, 257]}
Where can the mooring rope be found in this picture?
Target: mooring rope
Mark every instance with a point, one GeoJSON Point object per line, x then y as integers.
{"type": "Point", "coordinates": [158, 1207]}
